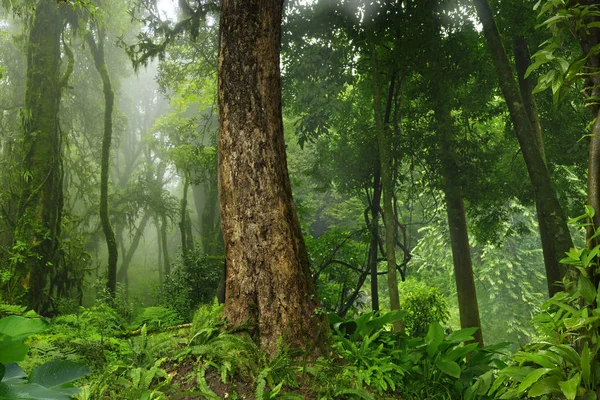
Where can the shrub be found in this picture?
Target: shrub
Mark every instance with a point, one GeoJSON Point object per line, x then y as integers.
{"type": "Point", "coordinates": [423, 306]}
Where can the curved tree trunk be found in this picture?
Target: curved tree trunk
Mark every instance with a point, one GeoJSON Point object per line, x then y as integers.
{"type": "Point", "coordinates": [37, 231]}
{"type": "Point", "coordinates": [97, 51]}
{"type": "Point", "coordinates": [135, 242]}
{"type": "Point", "coordinates": [269, 290]}
{"type": "Point", "coordinates": [554, 232]}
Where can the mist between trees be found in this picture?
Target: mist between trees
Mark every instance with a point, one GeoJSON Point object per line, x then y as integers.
{"type": "Point", "coordinates": [298, 159]}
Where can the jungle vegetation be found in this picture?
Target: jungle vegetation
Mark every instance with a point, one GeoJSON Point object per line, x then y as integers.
{"type": "Point", "coordinates": [299, 199]}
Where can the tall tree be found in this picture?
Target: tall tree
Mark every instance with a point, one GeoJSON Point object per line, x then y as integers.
{"type": "Point", "coordinates": [37, 232]}
{"type": "Point", "coordinates": [554, 232]}
{"type": "Point", "coordinates": [384, 139]}
{"type": "Point", "coordinates": [97, 49]}
{"type": "Point", "coordinates": [269, 290]}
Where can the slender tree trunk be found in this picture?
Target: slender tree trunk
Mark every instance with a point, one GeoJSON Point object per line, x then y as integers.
{"type": "Point", "coordinates": [37, 231]}
{"type": "Point", "coordinates": [161, 269]}
{"type": "Point", "coordinates": [374, 244]}
{"type": "Point", "coordinates": [457, 222]}
{"type": "Point", "coordinates": [387, 183]}
{"type": "Point", "coordinates": [165, 245]}
{"type": "Point", "coordinates": [526, 85]}
{"type": "Point", "coordinates": [440, 96]}
{"type": "Point", "coordinates": [554, 232]}
{"type": "Point", "coordinates": [97, 51]}
{"type": "Point", "coordinates": [269, 290]}
{"type": "Point", "coordinates": [185, 226]}
{"type": "Point", "coordinates": [135, 242]}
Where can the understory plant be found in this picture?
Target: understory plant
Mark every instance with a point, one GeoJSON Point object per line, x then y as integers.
{"type": "Point", "coordinates": [564, 361]}
{"type": "Point", "coordinates": [50, 381]}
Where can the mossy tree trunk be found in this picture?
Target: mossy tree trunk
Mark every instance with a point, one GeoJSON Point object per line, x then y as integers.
{"type": "Point", "coordinates": [269, 290]}
{"type": "Point", "coordinates": [554, 232]}
{"type": "Point", "coordinates": [185, 224]}
{"type": "Point", "coordinates": [37, 231]}
{"type": "Point", "coordinates": [97, 50]}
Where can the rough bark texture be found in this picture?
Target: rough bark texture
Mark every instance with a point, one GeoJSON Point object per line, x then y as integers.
{"type": "Point", "coordinates": [387, 185]}
{"type": "Point", "coordinates": [37, 231]}
{"type": "Point", "coordinates": [269, 290]}
{"type": "Point", "coordinates": [554, 232]}
{"type": "Point", "coordinates": [97, 51]}
{"type": "Point", "coordinates": [185, 224]}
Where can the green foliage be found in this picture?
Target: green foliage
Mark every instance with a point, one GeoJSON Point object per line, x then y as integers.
{"type": "Point", "coordinates": [564, 360]}
{"type": "Point", "coordinates": [423, 305]}
{"type": "Point", "coordinates": [446, 365]}
{"type": "Point", "coordinates": [192, 281]}
{"type": "Point", "coordinates": [155, 318]}
{"type": "Point", "coordinates": [52, 381]}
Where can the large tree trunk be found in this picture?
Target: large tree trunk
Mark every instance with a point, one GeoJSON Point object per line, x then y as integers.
{"type": "Point", "coordinates": [37, 231]}
{"type": "Point", "coordinates": [97, 51]}
{"type": "Point", "coordinates": [387, 182]}
{"type": "Point", "coordinates": [554, 232]}
{"type": "Point", "coordinates": [269, 290]}
{"type": "Point", "coordinates": [165, 245]}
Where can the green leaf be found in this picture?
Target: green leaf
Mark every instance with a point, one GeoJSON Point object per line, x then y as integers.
{"type": "Point", "coordinates": [20, 328]}
{"type": "Point", "coordinates": [586, 358]}
{"type": "Point", "coordinates": [13, 374]}
{"type": "Point", "coordinates": [37, 392]}
{"type": "Point", "coordinates": [531, 378]}
{"type": "Point", "coordinates": [459, 352]}
{"type": "Point", "coordinates": [12, 350]}
{"type": "Point", "coordinates": [543, 358]}
{"type": "Point", "coordinates": [569, 388]}
{"type": "Point", "coordinates": [462, 335]}
{"type": "Point", "coordinates": [547, 385]}
{"type": "Point", "coordinates": [448, 367]}
{"type": "Point", "coordinates": [567, 353]}
{"type": "Point", "coordinates": [57, 373]}
{"type": "Point", "coordinates": [587, 289]}
{"type": "Point", "coordinates": [388, 318]}
{"type": "Point", "coordinates": [434, 337]}
{"type": "Point", "coordinates": [589, 211]}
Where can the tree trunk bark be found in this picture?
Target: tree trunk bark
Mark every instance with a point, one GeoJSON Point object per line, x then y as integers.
{"type": "Point", "coordinates": [97, 51]}
{"type": "Point", "coordinates": [37, 232]}
{"type": "Point", "coordinates": [374, 245]}
{"type": "Point", "coordinates": [185, 225]}
{"type": "Point", "coordinates": [387, 183]}
{"type": "Point", "coordinates": [135, 242]}
{"type": "Point", "coordinates": [269, 290]}
{"type": "Point", "coordinates": [165, 245]}
{"type": "Point", "coordinates": [554, 232]}
{"type": "Point", "coordinates": [457, 223]}
{"type": "Point", "coordinates": [161, 270]}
